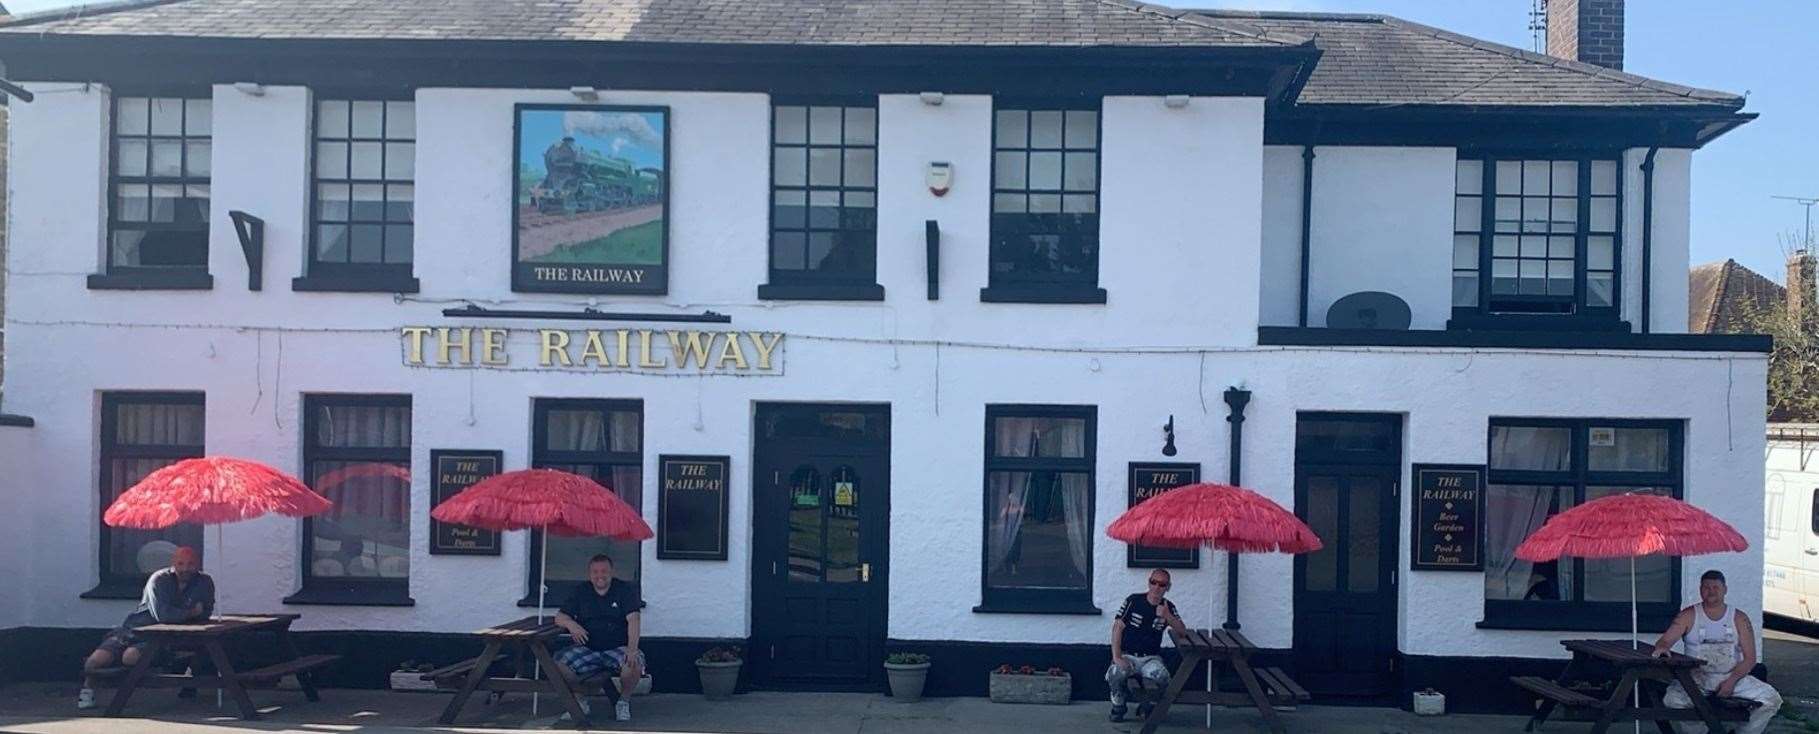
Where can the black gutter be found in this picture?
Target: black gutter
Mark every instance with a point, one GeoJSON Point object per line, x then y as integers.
{"type": "Point", "coordinates": [1289, 336]}
{"type": "Point", "coordinates": [478, 312]}
{"type": "Point", "coordinates": [1307, 220]}
{"type": "Point", "coordinates": [1236, 399]}
{"type": "Point", "coordinates": [1648, 229]}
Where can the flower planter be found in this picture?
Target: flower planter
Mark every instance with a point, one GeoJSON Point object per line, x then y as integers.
{"type": "Point", "coordinates": [1037, 688]}
{"type": "Point", "coordinates": [410, 680]}
{"type": "Point", "coordinates": [906, 680]}
{"type": "Point", "coordinates": [718, 680]}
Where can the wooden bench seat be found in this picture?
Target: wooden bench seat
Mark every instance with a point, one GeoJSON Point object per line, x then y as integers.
{"type": "Point", "coordinates": [1280, 686]}
{"type": "Point", "coordinates": [453, 673]}
{"type": "Point", "coordinates": [1555, 692]}
{"type": "Point", "coordinates": [272, 673]}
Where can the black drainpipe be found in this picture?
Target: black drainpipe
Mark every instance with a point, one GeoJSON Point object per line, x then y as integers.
{"type": "Point", "coordinates": [1236, 400]}
{"type": "Point", "coordinates": [1648, 227]}
{"type": "Point", "coordinates": [1307, 218]}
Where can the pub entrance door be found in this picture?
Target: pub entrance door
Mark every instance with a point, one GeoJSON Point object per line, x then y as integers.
{"type": "Point", "coordinates": [820, 557]}
{"type": "Point", "coordinates": [1346, 474]}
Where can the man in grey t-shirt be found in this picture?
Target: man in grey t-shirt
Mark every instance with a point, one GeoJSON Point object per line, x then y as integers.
{"type": "Point", "coordinates": [181, 593]}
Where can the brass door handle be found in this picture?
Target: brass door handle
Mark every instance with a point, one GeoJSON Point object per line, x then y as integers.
{"type": "Point", "coordinates": [865, 572]}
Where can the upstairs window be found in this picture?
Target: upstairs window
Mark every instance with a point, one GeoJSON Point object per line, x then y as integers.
{"type": "Point", "coordinates": [824, 202]}
{"type": "Point", "coordinates": [1535, 237]}
{"type": "Point", "coordinates": [1045, 204]}
{"type": "Point", "coordinates": [158, 221]}
{"type": "Point", "coordinates": [365, 195]}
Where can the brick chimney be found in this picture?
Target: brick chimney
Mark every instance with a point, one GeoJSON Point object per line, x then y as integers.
{"type": "Point", "coordinates": [1800, 292]}
{"type": "Point", "coordinates": [1586, 30]}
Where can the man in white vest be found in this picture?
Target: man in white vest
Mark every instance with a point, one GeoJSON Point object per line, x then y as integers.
{"type": "Point", "coordinates": [1722, 637]}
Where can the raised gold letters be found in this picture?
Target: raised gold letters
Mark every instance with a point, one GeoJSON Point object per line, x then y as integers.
{"type": "Point", "coordinates": [695, 351]}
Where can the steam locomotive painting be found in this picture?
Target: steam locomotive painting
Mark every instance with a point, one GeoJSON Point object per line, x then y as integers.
{"type": "Point", "coordinates": [590, 199]}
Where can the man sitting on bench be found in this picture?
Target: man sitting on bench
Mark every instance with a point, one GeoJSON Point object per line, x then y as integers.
{"type": "Point", "coordinates": [602, 616]}
{"type": "Point", "coordinates": [1721, 636]}
{"type": "Point", "coordinates": [180, 593]}
{"type": "Point", "coordinates": [1137, 641]}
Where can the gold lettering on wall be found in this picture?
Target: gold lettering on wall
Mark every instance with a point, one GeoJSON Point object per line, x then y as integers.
{"type": "Point", "coordinates": [492, 346]}
{"type": "Point", "coordinates": [644, 351]}
{"type": "Point", "coordinates": [730, 351]}
{"type": "Point", "coordinates": [413, 336]}
{"type": "Point", "coordinates": [555, 343]}
{"type": "Point", "coordinates": [444, 345]}
{"type": "Point", "coordinates": [595, 350]}
{"type": "Point", "coordinates": [764, 350]}
{"type": "Point", "coordinates": [697, 351]}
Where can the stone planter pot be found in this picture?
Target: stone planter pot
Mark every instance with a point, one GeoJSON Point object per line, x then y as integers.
{"type": "Point", "coordinates": [1038, 688]}
{"type": "Point", "coordinates": [906, 681]}
{"type": "Point", "coordinates": [718, 680]}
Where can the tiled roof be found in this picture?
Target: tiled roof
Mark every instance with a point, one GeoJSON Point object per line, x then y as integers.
{"type": "Point", "coordinates": [1380, 60]}
{"type": "Point", "coordinates": [1722, 295]}
{"type": "Point", "coordinates": [1055, 23]}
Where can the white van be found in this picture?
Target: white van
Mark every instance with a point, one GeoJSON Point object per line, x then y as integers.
{"type": "Point", "coordinates": [1790, 578]}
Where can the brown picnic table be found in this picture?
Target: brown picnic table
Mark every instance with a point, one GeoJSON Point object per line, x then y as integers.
{"type": "Point", "coordinates": [1264, 688]}
{"type": "Point", "coordinates": [528, 636]}
{"type": "Point", "coordinates": [215, 639]}
{"type": "Point", "coordinates": [1636, 664]}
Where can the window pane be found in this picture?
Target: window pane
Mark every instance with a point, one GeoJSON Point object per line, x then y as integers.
{"type": "Point", "coordinates": [1039, 436]}
{"type": "Point", "coordinates": [398, 243]}
{"type": "Point", "coordinates": [366, 243]}
{"type": "Point", "coordinates": [1079, 203]}
{"type": "Point", "coordinates": [1509, 214]}
{"type": "Point", "coordinates": [1082, 129]}
{"type": "Point", "coordinates": [363, 426]}
{"type": "Point", "coordinates": [1503, 246]}
{"type": "Point", "coordinates": [790, 166]}
{"type": "Point", "coordinates": [158, 424]}
{"type": "Point", "coordinates": [807, 492]}
{"type": "Point", "coordinates": [1009, 203]}
{"type": "Point", "coordinates": [1322, 569]}
{"type": "Point", "coordinates": [1468, 213]}
{"type": "Point", "coordinates": [1628, 449]}
{"type": "Point", "coordinates": [1599, 289]}
{"type": "Point", "coordinates": [1609, 579]}
{"type": "Point", "coordinates": [167, 116]}
{"type": "Point", "coordinates": [331, 160]}
{"type": "Point", "coordinates": [820, 245]}
{"type": "Point", "coordinates": [1045, 203]}
{"type": "Point", "coordinates": [1045, 171]}
{"type": "Point", "coordinates": [789, 251]}
{"type": "Point", "coordinates": [789, 209]}
{"type": "Point", "coordinates": [1365, 547]}
{"type": "Point", "coordinates": [568, 557]}
{"type": "Point", "coordinates": [366, 533]}
{"type": "Point", "coordinates": [1468, 177]}
{"type": "Point", "coordinates": [1013, 129]}
{"type": "Point", "coordinates": [843, 525]}
{"type": "Point", "coordinates": [861, 126]}
{"type": "Point", "coordinates": [368, 119]}
{"type": "Point", "coordinates": [1604, 177]}
{"type": "Point", "coordinates": [1566, 178]}
{"type": "Point", "coordinates": [1534, 247]}
{"type": "Point", "coordinates": [332, 119]}
{"type": "Point", "coordinates": [367, 159]}
{"type": "Point", "coordinates": [197, 159]}
{"type": "Point", "coordinates": [824, 166]}
{"type": "Point", "coordinates": [1039, 534]}
{"type": "Point", "coordinates": [1565, 215]}
{"type": "Point", "coordinates": [400, 161]}
{"type": "Point", "coordinates": [1560, 247]}
{"type": "Point", "coordinates": [1082, 172]}
{"type": "Point", "coordinates": [861, 199]}
{"type": "Point", "coordinates": [1600, 253]}
{"type": "Point", "coordinates": [332, 202]}
{"type": "Point", "coordinates": [167, 158]}
{"type": "Point", "coordinates": [331, 243]}
{"type": "Point", "coordinates": [1512, 513]}
{"type": "Point", "coordinates": [1010, 171]}
{"type": "Point", "coordinates": [823, 209]}
{"type": "Point", "coordinates": [1532, 448]}
{"type": "Point", "coordinates": [792, 125]}
{"type": "Point", "coordinates": [1465, 289]}
{"type": "Point", "coordinates": [824, 125]}
{"type": "Point", "coordinates": [400, 203]}
{"type": "Point", "coordinates": [401, 120]}
{"type": "Point", "coordinates": [1045, 128]}
{"type": "Point", "coordinates": [1509, 177]}
{"type": "Point", "coordinates": [198, 117]}
{"type": "Point", "coordinates": [131, 115]}
{"type": "Point", "coordinates": [123, 249]}
{"type": "Point", "coordinates": [130, 156]}
{"type": "Point", "coordinates": [861, 167]}
{"type": "Point", "coordinates": [165, 198]}
{"type": "Point", "coordinates": [133, 203]}
{"type": "Point", "coordinates": [368, 202]}
{"type": "Point", "coordinates": [1604, 214]}
{"type": "Point", "coordinates": [1465, 252]}
{"type": "Point", "coordinates": [1535, 177]}
{"type": "Point", "coordinates": [1535, 213]}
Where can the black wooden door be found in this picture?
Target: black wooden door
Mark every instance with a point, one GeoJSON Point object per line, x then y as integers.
{"type": "Point", "coordinates": [1345, 593]}
{"type": "Point", "coordinates": [820, 568]}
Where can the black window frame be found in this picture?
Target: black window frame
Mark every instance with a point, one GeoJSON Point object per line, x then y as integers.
{"type": "Point", "coordinates": [348, 276]}
{"type": "Point", "coordinates": [155, 277]}
{"type": "Point", "coordinates": [348, 591]}
{"type": "Point", "coordinates": [1577, 614]}
{"type": "Point", "coordinates": [543, 458]}
{"type": "Point", "coordinates": [809, 285]}
{"type": "Point", "coordinates": [1490, 312]}
{"type": "Point", "coordinates": [111, 584]}
{"type": "Point", "coordinates": [1037, 601]}
{"type": "Point", "coordinates": [1084, 288]}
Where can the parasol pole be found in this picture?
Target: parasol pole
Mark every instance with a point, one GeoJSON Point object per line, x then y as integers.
{"type": "Point", "coordinates": [542, 586]}
{"type": "Point", "coordinates": [221, 548]}
{"type": "Point", "coordinates": [1635, 641]}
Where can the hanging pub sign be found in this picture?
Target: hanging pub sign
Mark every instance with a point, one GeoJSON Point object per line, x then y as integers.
{"type": "Point", "coordinates": [1149, 480]}
{"type": "Point", "coordinates": [692, 507]}
{"type": "Point", "coordinates": [1448, 517]}
{"type": "Point", "coordinates": [456, 470]}
{"type": "Point", "coordinates": [590, 199]}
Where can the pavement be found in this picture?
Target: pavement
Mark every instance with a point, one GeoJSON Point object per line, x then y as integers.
{"type": "Point", "coordinates": [48, 708]}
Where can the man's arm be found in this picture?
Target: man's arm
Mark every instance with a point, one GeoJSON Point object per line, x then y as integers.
{"type": "Point", "coordinates": [1118, 641]}
{"type": "Point", "coordinates": [632, 622]}
{"type": "Point", "coordinates": [208, 597]}
{"type": "Point", "coordinates": [1746, 638]}
{"type": "Point", "coordinates": [165, 603]}
{"type": "Point", "coordinates": [1174, 619]}
{"type": "Point", "coordinates": [1682, 622]}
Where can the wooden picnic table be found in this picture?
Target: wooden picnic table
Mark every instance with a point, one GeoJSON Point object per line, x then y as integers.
{"type": "Point", "coordinates": [213, 638]}
{"type": "Point", "coordinates": [528, 635]}
{"type": "Point", "coordinates": [1635, 663]}
{"type": "Point", "coordinates": [1264, 688]}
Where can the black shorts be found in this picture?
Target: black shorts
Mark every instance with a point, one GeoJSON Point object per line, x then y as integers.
{"type": "Point", "coordinates": [119, 641]}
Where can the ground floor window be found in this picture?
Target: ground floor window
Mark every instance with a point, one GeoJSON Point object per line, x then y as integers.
{"type": "Point", "coordinates": [602, 440]}
{"type": "Point", "coordinates": [357, 453]}
{"type": "Point", "coordinates": [1539, 468]}
{"type": "Point", "coordinates": [1039, 508]}
{"type": "Point", "coordinates": [140, 433]}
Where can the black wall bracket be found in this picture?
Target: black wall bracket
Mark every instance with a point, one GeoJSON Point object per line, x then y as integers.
{"type": "Point", "coordinates": [251, 230]}
{"type": "Point", "coordinates": [932, 233]}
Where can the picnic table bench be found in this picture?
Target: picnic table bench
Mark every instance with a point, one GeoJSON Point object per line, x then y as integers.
{"type": "Point", "coordinates": [211, 640]}
{"type": "Point", "coordinates": [1578, 701]}
{"type": "Point", "coordinates": [1264, 688]}
{"type": "Point", "coordinates": [531, 636]}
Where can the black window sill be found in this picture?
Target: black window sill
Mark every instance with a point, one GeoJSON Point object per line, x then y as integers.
{"type": "Point", "coordinates": [117, 589]}
{"type": "Point", "coordinates": [156, 280]}
{"type": "Point", "coordinates": [1567, 621]}
{"type": "Point", "coordinates": [830, 292]}
{"type": "Point", "coordinates": [1295, 336]}
{"type": "Point", "coordinates": [1535, 322]}
{"type": "Point", "coordinates": [17, 421]}
{"type": "Point", "coordinates": [343, 596]}
{"type": "Point", "coordinates": [1079, 609]}
{"type": "Point", "coordinates": [1041, 294]}
{"type": "Point", "coordinates": [355, 283]}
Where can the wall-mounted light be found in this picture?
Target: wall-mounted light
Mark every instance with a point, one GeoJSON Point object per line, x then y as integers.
{"type": "Point", "coordinates": [933, 99]}
{"type": "Point", "coordinates": [1175, 101]}
{"type": "Point", "coordinates": [250, 89]}
{"type": "Point", "coordinates": [588, 93]}
{"type": "Point", "coordinates": [1168, 437]}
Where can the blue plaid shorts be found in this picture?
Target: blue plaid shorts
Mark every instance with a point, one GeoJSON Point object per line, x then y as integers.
{"type": "Point", "coordinates": [586, 662]}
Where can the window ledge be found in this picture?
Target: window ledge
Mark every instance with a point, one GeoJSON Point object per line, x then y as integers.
{"type": "Point", "coordinates": [172, 280]}
{"type": "Point", "coordinates": [1041, 294]}
{"type": "Point", "coordinates": [355, 283]}
{"type": "Point", "coordinates": [1079, 609]}
{"type": "Point", "coordinates": [1536, 322]}
{"type": "Point", "coordinates": [1295, 336]}
{"type": "Point", "coordinates": [116, 589]}
{"type": "Point", "coordinates": [829, 292]}
{"type": "Point", "coordinates": [17, 421]}
{"type": "Point", "coordinates": [352, 597]}
{"type": "Point", "coordinates": [1566, 621]}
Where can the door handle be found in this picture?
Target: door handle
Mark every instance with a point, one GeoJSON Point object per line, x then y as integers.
{"type": "Point", "coordinates": [1812, 551]}
{"type": "Point", "coordinates": [865, 572]}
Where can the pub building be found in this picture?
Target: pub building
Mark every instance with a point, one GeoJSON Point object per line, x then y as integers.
{"type": "Point", "coordinates": [880, 311]}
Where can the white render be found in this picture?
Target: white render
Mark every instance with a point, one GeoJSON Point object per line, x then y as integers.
{"type": "Point", "coordinates": [1201, 234]}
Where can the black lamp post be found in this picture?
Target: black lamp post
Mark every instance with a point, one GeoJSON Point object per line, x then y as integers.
{"type": "Point", "coordinates": [1236, 399]}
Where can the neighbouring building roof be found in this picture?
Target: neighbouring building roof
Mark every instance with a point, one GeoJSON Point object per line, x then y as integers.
{"type": "Point", "coordinates": [1722, 295]}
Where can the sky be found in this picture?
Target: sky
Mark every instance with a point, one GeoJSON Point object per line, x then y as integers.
{"type": "Point", "coordinates": [1768, 49]}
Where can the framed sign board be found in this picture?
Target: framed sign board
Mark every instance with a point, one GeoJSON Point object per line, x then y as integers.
{"type": "Point", "coordinates": [456, 470]}
{"type": "Point", "coordinates": [1448, 517]}
{"type": "Point", "coordinates": [590, 199]}
{"type": "Point", "coordinates": [692, 507]}
{"type": "Point", "coordinates": [1148, 480]}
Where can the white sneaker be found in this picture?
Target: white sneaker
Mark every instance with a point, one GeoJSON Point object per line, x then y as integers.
{"type": "Point", "coordinates": [622, 710]}
{"type": "Point", "coordinates": [586, 710]}
{"type": "Point", "coordinates": [86, 699]}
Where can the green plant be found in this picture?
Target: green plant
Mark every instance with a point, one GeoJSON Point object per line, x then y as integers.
{"type": "Point", "coordinates": [906, 658]}
{"type": "Point", "coordinates": [722, 654]}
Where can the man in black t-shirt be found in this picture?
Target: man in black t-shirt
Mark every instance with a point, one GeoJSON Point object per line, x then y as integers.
{"type": "Point", "coordinates": [602, 616]}
{"type": "Point", "coordinates": [1137, 640]}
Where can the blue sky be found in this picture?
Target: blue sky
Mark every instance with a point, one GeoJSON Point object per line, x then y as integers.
{"type": "Point", "coordinates": [1764, 47]}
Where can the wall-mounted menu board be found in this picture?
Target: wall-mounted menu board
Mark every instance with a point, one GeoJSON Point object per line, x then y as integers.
{"type": "Point", "coordinates": [456, 470]}
{"type": "Point", "coordinates": [1148, 480]}
{"type": "Point", "coordinates": [692, 507]}
{"type": "Point", "coordinates": [1448, 517]}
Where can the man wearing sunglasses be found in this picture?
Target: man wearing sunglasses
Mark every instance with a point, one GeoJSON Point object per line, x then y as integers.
{"type": "Point", "coordinates": [1137, 641]}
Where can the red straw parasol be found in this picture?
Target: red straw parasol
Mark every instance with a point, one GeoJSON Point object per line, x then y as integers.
{"type": "Point", "coordinates": [1232, 519]}
{"type": "Point", "coordinates": [211, 490]}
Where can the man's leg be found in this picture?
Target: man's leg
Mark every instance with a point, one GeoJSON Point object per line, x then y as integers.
{"type": "Point", "coordinates": [1755, 690]}
{"type": "Point", "coordinates": [1676, 698]}
{"type": "Point", "coordinates": [102, 657]}
{"type": "Point", "coordinates": [1116, 676]}
{"type": "Point", "coordinates": [629, 675]}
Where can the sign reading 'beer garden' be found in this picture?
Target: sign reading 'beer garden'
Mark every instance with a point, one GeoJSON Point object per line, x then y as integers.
{"type": "Point", "coordinates": [623, 350]}
{"type": "Point", "coordinates": [1448, 517]}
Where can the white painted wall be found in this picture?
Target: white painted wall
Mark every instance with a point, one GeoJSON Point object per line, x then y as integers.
{"type": "Point", "coordinates": [1671, 244]}
{"type": "Point", "coordinates": [1280, 265]}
